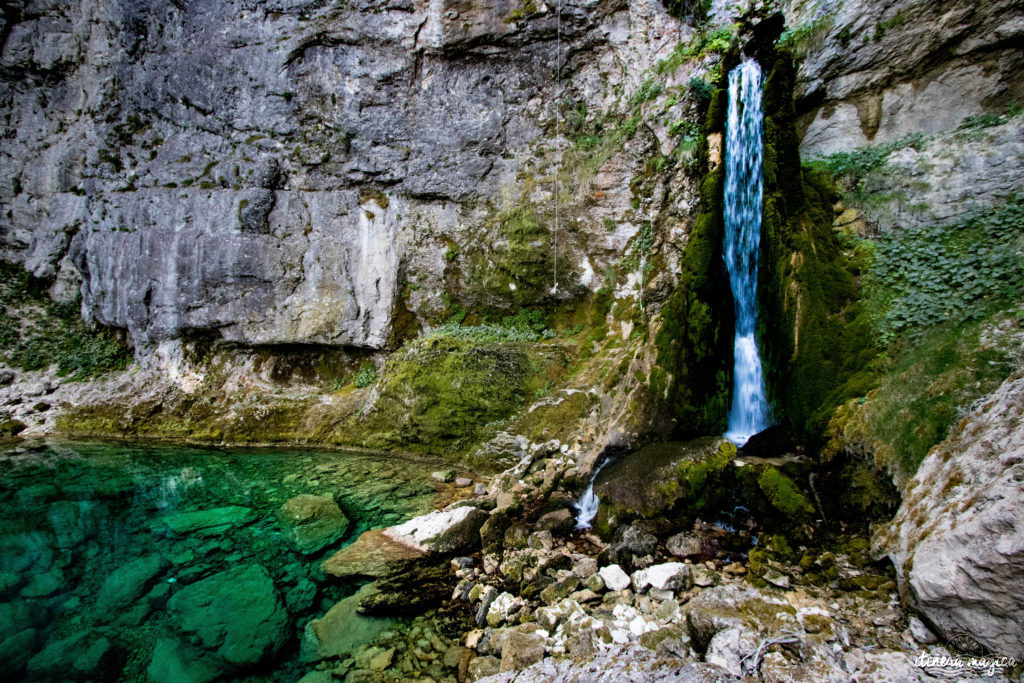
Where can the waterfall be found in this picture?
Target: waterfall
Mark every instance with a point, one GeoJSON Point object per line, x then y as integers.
{"type": "Point", "coordinates": [749, 413]}
{"type": "Point", "coordinates": [588, 503]}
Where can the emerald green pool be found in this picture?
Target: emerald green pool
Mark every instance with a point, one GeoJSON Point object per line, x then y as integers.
{"type": "Point", "coordinates": [126, 562]}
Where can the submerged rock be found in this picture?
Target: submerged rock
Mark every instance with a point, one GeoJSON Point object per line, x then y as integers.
{"type": "Point", "coordinates": [127, 584]}
{"type": "Point", "coordinates": [312, 522]}
{"type": "Point", "coordinates": [235, 615]}
{"type": "Point", "coordinates": [205, 522]}
{"type": "Point", "coordinates": [342, 630]}
{"type": "Point", "coordinates": [83, 656]}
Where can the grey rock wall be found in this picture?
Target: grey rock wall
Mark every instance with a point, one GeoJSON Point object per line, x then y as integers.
{"type": "Point", "coordinates": [876, 72]}
{"type": "Point", "coordinates": [282, 172]}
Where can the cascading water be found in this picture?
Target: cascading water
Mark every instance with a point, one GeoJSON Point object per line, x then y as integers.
{"type": "Point", "coordinates": [749, 413]}
{"type": "Point", "coordinates": [588, 503]}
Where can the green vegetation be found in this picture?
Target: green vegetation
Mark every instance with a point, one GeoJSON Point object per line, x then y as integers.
{"type": "Point", "coordinates": [952, 273]}
{"type": "Point", "coordinates": [366, 376]}
{"type": "Point", "coordinates": [942, 300]}
{"type": "Point", "coordinates": [527, 324]}
{"type": "Point", "coordinates": [784, 495]}
{"type": "Point", "coordinates": [990, 119]}
{"type": "Point", "coordinates": [930, 384]}
{"type": "Point", "coordinates": [36, 332]}
{"type": "Point", "coordinates": [719, 40]}
{"type": "Point", "coordinates": [695, 326]}
{"type": "Point", "coordinates": [800, 37]}
{"type": "Point", "coordinates": [883, 26]}
{"type": "Point", "coordinates": [853, 169]}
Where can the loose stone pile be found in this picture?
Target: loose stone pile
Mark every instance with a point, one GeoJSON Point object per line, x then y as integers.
{"type": "Point", "coordinates": [540, 600]}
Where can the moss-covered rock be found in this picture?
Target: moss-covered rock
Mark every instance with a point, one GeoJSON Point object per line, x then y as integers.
{"type": "Point", "coordinates": [816, 339]}
{"type": "Point", "coordinates": [784, 495]}
{"type": "Point", "coordinates": [664, 479]}
{"type": "Point", "coordinates": [695, 327]}
{"type": "Point", "coordinates": [440, 392]}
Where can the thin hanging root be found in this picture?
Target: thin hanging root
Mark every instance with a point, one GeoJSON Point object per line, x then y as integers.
{"type": "Point", "coordinates": [786, 638]}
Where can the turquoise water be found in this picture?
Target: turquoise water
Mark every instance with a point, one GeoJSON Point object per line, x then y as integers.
{"type": "Point", "coordinates": [97, 540]}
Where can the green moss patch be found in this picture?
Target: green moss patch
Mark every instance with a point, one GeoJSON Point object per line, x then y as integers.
{"type": "Point", "coordinates": [442, 394]}
{"type": "Point", "coordinates": [36, 332]}
{"type": "Point", "coordinates": [784, 495]}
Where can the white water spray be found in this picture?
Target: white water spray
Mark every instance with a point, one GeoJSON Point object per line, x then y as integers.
{"type": "Point", "coordinates": [588, 503]}
{"type": "Point", "coordinates": [749, 413]}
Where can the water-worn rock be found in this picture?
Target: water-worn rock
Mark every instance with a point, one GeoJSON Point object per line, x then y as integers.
{"type": "Point", "coordinates": [236, 615]}
{"type": "Point", "coordinates": [126, 584]}
{"type": "Point", "coordinates": [342, 630]}
{"type": "Point", "coordinates": [439, 531]}
{"type": "Point", "coordinates": [368, 555]}
{"type": "Point", "coordinates": [557, 522]}
{"type": "Point", "coordinates": [206, 522]}
{"type": "Point", "coordinates": [312, 522]}
{"type": "Point", "coordinates": [83, 656]}
{"type": "Point", "coordinates": [957, 540]}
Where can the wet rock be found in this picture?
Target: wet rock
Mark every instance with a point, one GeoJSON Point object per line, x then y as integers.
{"type": "Point", "coordinates": [638, 485]}
{"type": "Point", "coordinates": [614, 578]}
{"type": "Point", "coordinates": [558, 522]}
{"type": "Point", "coordinates": [312, 522]}
{"type": "Point", "coordinates": [443, 476]}
{"type": "Point", "coordinates": [630, 542]}
{"type": "Point", "coordinates": [368, 555]}
{"type": "Point", "coordinates": [126, 584]}
{"type": "Point", "coordinates": [450, 531]}
{"type": "Point", "coordinates": [236, 615]}
{"type": "Point", "coordinates": [409, 588]}
{"type": "Point", "coordinates": [85, 655]}
{"type": "Point", "coordinates": [212, 522]}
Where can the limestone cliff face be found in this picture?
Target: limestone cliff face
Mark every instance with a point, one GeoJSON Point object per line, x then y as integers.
{"type": "Point", "coordinates": [286, 172]}
{"type": "Point", "coordinates": [875, 72]}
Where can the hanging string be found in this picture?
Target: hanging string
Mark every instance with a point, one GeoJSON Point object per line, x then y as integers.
{"type": "Point", "coordinates": [558, 162]}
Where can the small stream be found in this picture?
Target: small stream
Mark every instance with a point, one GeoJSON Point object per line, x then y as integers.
{"type": "Point", "coordinates": [97, 539]}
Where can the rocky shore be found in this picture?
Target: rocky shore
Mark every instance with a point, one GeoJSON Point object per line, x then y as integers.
{"type": "Point", "coordinates": [523, 595]}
